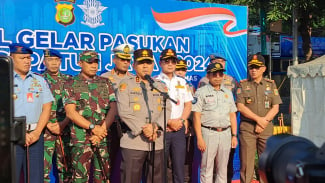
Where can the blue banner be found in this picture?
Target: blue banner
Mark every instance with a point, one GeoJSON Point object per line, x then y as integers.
{"type": "Point", "coordinates": [318, 46]}
{"type": "Point", "coordinates": [194, 30]}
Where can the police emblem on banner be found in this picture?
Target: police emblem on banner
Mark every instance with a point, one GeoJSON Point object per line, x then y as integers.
{"type": "Point", "coordinates": [64, 14]}
{"type": "Point", "coordinates": [92, 13]}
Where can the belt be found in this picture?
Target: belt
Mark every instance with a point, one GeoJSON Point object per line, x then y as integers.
{"type": "Point", "coordinates": [218, 129]}
{"type": "Point", "coordinates": [31, 127]}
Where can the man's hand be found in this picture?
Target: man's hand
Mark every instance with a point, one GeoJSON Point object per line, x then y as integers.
{"type": "Point", "coordinates": [234, 142]}
{"type": "Point", "coordinates": [201, 144]}
{"type": "Point", "coordinates": [175, 124]}
{"type": "Point", "coordinates": [150, 131]}
{"type": "Point", "coordinates": [258, 129]}
{"type": "Point", "coordinates": [54, 128]}
{"type": "Point", "coordinates": [99, 131]}
{"type": "Point", "coordinates": [262, 122]}
{"type": "Point", "coordinates": [31, 138]}
{"type": "Point", "coordinates": [95, 140]}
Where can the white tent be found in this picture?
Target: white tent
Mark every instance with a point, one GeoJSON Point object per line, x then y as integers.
{"type": "Point", "coordinates": [308, 100]}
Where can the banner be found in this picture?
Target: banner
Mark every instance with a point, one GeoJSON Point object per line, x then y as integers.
{"type": "Point", "coordinates": [194, 30]}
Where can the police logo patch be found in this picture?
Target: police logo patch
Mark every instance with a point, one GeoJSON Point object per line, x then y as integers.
{"type": "Point", "coordinates": [64, 14]}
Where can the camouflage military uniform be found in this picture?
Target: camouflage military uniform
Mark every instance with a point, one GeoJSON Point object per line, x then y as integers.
{"type": "Point", "coordinates": [52, 142]}
{"type": "Point", "coordinates": [92, 99]}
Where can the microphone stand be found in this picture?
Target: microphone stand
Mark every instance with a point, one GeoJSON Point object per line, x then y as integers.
{"type": "Point", "coordinates": [165, 97]}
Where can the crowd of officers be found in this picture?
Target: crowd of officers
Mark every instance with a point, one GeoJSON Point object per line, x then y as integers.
{"type": "Point", "coordinates": [96, 127]}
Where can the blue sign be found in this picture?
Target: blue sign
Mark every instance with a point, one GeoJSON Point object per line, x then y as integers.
{"type": "Point", "coordinates": [318, 46]}
{"type": "Point", "coordinates": [194, 30]}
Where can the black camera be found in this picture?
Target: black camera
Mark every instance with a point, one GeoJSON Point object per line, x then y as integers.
{"type": "Point", "coordinates": [292, 159]}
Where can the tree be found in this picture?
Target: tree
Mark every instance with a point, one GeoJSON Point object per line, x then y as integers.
{"type": "Point", "coordinates": [310, 15]}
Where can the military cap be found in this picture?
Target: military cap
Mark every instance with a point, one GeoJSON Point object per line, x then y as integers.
{"type": "Point", "coordinates": [20, 48]}
{"type": "Point", "coordinates": [89, 56]}
{"type": "Point", "coordinates": [52, 53]}
{"type": "Point", "coordinates": [214, 56]}
{"type": "Point", "coordinates": [168, 53]}
{"type": "Point", "coordinates": [215, 67]}
{"type": "Point", "coordinates": [257, 60]}
{"type": "Point", "coordinates": [124, 51]}
{"type": "Point", "coordinates": [181, 64]}
{"type": "Point", "coordinates": [143, 54]}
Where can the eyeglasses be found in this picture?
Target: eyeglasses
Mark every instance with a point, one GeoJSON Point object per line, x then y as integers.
{"type": "Point", "coordinates": [218, 73]}
{"type": "Point", "coordinates": [254, 67]}
{"type": "Point", "coordinates": [125, 60]}
{"type": "Point", "coordinates": [149, 62]}
{"type": "Point", "coordinates": [168, 61]}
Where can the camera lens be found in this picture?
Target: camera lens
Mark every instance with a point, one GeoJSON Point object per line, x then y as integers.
{"type": "Point", "coordinates": [289, 158]}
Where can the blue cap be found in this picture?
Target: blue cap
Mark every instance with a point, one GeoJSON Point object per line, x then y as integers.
{"type": "Point", "coordinates": [52, 53]}
{"type": "Point", "coordinates": [214, 56]}
{"type": "Point", "coordinates": [20, 48]}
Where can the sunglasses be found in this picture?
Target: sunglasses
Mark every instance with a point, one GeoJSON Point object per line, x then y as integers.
{"type": "Point", "coordinates": [254, 67]}
{"type": "Point", "coordinates": [168, 61]}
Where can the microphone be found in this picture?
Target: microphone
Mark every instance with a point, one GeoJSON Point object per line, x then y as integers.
{"type": "Point", "coordinates": [149, 79]}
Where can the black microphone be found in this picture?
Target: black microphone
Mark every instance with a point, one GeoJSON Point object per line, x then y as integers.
{"type": "Point", "coordinates": [149, 79]}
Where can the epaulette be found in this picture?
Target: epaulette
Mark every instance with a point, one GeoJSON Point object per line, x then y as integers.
{"type": "Point", "coordinates": [269, 80]}
{"type": "Point", "coordinates": [244, 80]}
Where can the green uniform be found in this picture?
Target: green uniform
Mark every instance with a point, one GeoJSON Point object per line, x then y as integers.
{"type": "Point", "coordinates": [52, 142]}
{"type": "Point", "coordinates": [92, 99]}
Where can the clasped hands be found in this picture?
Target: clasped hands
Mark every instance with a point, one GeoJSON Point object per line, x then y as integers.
{"type": "Point", "coordinates": [98, 133]}
{"type": "Point", "coordinates": [262, 123]}
{"type": "Point", "coordinates": [150, 131]}
{"type": "Point", "coordinates": [174, 124]}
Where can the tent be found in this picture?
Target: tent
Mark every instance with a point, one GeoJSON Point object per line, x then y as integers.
{"type": "Point", "coordinates": [308, 99]}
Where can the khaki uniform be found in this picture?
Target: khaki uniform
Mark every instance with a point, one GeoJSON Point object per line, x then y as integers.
{"type": "Point", "coordinates": [134, 113]}
{"type": "Point", "coordinates": [114, 78]}
{"type": "Point", "coordinates": [259, 98]}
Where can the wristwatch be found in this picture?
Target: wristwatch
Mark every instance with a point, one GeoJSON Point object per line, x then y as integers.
{"type": "Point", "coordinates": [234, 135]}
{"type": "Point", "coordinates": [91, 126]}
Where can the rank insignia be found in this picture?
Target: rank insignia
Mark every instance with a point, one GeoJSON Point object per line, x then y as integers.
{"type": "Point", "coordinates": [64, 14]}
{"type": "Point", "coordinates": [122, 86]}
{"type": "Point", "coordinates": [137, 79]}
{"type": "Point", "coordinates": [136, 107]}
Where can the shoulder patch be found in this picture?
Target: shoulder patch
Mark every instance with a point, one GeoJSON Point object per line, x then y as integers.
{"type": "Point", "coordinates": [122, 86]}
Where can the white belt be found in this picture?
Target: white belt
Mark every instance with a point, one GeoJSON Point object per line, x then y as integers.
{"type": "Point", "coordinates": [31, 127]}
